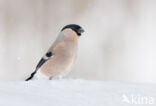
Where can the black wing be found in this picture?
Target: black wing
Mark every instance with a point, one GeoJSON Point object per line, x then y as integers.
{"type": "Point", "coordinates": [41, 62]}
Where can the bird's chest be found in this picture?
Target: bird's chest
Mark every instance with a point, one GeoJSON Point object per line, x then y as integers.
{"type": "Point", "coordinates": [62, 61]}
{"type": "Point", "coordinates": [67, 50]}
{"type": "Point", "coordinates": [67, 55]}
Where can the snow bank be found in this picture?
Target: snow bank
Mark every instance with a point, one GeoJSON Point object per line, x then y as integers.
{"type": "Point", "coordinates": [70, 92]}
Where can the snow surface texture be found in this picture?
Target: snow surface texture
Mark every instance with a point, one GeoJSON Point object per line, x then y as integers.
{"type": "Point", "coordinates": [69, 92]}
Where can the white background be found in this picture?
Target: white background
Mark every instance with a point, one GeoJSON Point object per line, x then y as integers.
{"type": "Point", "coordinates": [119, 42]}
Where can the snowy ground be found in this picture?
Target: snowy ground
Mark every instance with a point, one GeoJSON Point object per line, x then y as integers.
{"type": "Point", "coordinates": [78, 92]}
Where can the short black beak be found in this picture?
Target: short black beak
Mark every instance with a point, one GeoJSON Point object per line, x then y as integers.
{"type": "Point", "coordinates": [81, 30]}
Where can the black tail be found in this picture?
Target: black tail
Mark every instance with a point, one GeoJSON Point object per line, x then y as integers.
{"type": "Point", "coordinates": [41, 62]}
{"type": "Point", "coordinates": [31, 76]}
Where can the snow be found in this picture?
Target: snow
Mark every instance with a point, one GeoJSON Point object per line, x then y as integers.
{"type": "Point", "coordinates": [76, 92]}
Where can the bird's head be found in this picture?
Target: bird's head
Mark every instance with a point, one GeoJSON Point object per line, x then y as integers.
{"type": "Point", "coordinates": [76, 28]}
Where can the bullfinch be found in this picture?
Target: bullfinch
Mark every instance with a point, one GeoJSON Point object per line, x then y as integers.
{"type": "Point", "coordinates": [61, 56]}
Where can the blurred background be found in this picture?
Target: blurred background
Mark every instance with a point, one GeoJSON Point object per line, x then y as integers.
{"type": "Point", "coordinates": [118, 43]}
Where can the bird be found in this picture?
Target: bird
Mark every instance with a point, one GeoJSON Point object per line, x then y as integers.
{"type": "Point", "coordinates": [61, 56]}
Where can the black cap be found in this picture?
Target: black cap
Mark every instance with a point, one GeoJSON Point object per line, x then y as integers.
{"type": "Point", "coordinates": [75, 28]}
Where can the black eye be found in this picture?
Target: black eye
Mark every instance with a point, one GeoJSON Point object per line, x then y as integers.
{"type": "Point", "coordinates": [49, 54]}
